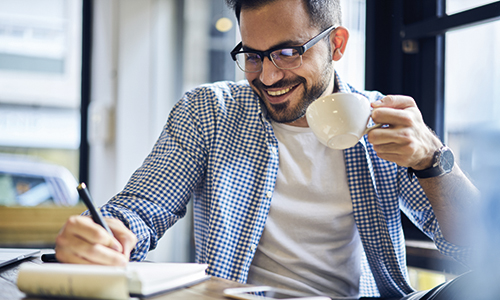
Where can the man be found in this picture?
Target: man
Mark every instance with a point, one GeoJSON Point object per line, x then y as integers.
{"type": "Point", "coordinates": [271, 204]}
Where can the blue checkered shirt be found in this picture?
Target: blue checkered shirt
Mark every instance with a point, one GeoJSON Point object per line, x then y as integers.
{"type": "Point", "coordinates": [219, 150]}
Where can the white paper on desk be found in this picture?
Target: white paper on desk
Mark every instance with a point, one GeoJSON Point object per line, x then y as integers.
{"type": "Point", "coordinates": [85, 281]}
{"type": "Point", "coordinates": [147, 279]}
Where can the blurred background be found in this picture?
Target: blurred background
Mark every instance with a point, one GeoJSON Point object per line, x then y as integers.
{"type": "Point", "coordinates": [86, 87]}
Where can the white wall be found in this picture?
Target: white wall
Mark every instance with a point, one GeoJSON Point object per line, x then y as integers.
{"type": "Point", "coordinates": [352, 65]}
{"type": "Point", "coordinates": [132, 93]}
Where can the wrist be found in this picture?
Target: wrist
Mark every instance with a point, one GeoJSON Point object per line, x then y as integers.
{"type": "Point", "coordinates": [441, 163]}
{"type": "Point", "coordinates": [433, 145]}
{"type": "Point", "coordinates": [424, 164]}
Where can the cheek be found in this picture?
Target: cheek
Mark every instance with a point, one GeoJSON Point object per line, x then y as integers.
{"type": "Point", "coordinates": [317, 60]}
{"type": "Point", "coordinates": [316, 69]}
{"type": "Point", "coordinates": [251, 76]}
{"type": "Point", "coordinates": [309, 73]}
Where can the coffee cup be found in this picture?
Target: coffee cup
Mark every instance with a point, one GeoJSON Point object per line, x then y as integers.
{"type": "Point", "coordinates": [339, 120]}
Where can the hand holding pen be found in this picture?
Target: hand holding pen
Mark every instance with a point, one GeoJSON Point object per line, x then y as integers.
{"type": "Point", "coordinates": [94, 241]}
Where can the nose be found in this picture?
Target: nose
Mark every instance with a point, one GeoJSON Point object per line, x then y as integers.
{"type": "Point", "coordinates": [270, 74]}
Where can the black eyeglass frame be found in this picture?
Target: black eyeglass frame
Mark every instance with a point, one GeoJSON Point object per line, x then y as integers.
{"type": "Point", "coordinates": [263, 54]}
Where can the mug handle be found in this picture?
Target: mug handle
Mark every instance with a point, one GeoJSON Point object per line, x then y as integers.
{"type": "Point", "coordinates": [368, 129]}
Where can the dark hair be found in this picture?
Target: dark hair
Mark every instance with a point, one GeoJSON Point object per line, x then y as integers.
{"type": "Point", "coordinates": [322, 13]}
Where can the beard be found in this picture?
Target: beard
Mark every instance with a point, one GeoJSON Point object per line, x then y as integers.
{"type": "Point", "coordinates": [287, 112]}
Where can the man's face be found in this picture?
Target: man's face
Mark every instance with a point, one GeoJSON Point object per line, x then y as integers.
{"type": "Point", "coordinates": [287, 93]}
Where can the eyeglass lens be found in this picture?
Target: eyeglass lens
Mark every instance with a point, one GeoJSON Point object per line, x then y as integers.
{"type": "Point", "coordinates": [283, 58]}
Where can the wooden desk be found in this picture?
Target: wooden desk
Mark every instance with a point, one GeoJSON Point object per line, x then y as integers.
{"type": "Point", "coordinates": [208, 290]}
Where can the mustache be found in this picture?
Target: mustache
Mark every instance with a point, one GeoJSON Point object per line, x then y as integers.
{"type": "Point", "coordinates": [280, 84]}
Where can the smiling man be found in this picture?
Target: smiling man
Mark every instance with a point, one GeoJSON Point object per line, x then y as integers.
{"type": "Point", "coordinates": [272, 205]}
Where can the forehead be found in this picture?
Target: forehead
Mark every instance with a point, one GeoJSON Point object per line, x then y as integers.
{"type": "Point", "coordinates": [279, 22]}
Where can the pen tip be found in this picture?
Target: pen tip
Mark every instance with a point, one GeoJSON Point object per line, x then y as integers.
{"type": "Point", "coordinates": [81, 186]}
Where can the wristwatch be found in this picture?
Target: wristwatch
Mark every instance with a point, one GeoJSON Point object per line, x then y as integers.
{"type": "Point", "coordinates": [442, 163]}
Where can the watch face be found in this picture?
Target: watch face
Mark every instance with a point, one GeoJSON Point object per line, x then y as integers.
{"type": "Point", "coordinates": [447, 160]}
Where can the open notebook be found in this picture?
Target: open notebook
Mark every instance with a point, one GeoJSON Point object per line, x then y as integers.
{"type": "Point", "coordinates": [106, 282]}
{"type": "Point", "coordinates": [11, 255]}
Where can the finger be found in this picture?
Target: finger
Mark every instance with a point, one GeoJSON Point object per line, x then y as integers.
{"type": "Point", "coordinates": [83, 241]}
{"type": "Point", "coordinates": [76, 250]}
{"type": "Point", "coordinates": [91, 232]}
{"type": "Point", "coordinates": [69, 254]}
{"type": "Point", "coordinates": [100, 254]}
{"type": "Point", "coordinates": [394, 145]}
{"type": "Point", "coordinates": [125, 237]}
{"type": "Point", "coordinates": [67, 257]}
{"type": "Point", "coordinates": [395, 101]}
{"type": "Point", "coordinates": [395, 149]}
{"type": "Point", "coordinates": [390, 137]}
{"type": "Point", "coordinates": [394, 117]}
{"type": "Point", "coordinates": [403, 149]}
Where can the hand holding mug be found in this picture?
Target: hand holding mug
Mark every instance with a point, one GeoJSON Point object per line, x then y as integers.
{"type": "Point", "coordinates": [407, 140]}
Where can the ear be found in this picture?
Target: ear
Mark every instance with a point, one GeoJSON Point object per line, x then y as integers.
{"type": "Point", "coordinates": [338, 42]}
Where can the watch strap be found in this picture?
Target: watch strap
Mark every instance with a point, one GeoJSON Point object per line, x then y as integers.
{"type": "Point", "coordinates": [426, 173]}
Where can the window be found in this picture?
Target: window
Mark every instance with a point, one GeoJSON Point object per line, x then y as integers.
{"type": "Point", "coordinates": [40, 65]}
{"type": "Point", "coordinates": [472, 92]}
{"type": "Point", "coordinates": [456, 6]}
{"type": "Point", "coordinates": [40, 116]}
{"type": "Point", "coordinates": [443, 53]}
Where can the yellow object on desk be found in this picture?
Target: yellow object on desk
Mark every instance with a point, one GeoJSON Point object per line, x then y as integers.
{"type": "Point", "coordinates": [106, 282]}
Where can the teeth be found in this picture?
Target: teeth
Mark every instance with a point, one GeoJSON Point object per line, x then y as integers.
{"type": "Point", "coordinates": [279, 93]}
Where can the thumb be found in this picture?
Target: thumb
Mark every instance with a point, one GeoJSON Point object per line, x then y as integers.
{"type": "Point", "coordinates": [123, 236]}
{"type": "Point", "coordinates": [113, 243]}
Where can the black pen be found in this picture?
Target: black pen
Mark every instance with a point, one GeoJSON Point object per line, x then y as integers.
{"type": "Point", "coordinates": [96, 214]}
{"type": "Point", "coordinates": [49, 258]}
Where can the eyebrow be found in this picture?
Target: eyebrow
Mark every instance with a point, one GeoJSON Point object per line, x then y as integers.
{"type": "Point", "coordinates": [284, 44]}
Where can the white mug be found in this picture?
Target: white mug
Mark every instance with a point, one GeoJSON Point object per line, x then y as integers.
{"type": "Point", "coordinates": [339, 120]}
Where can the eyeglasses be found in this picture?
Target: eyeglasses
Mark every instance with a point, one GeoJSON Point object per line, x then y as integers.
{"type": "Point", "coordinates": [285, 58]}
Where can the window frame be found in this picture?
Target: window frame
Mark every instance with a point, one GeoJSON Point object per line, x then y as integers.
{"type": "Point", "coordinates": [402, 37]}
{"type": "Point", "coordinates": [405, 54]}
{"type": "Point", "coordinates": [86, 71]}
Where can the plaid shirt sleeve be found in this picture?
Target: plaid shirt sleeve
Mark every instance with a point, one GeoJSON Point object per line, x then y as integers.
{"type": "Point", "coordinates": [157, 194]}
{"type": "Point", "coordinates": [217, 150]}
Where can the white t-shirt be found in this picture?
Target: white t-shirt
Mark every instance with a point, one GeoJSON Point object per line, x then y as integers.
{"type": "Point", "coordinates": [310, 242]}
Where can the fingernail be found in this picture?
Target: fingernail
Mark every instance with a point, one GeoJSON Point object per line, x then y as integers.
{"type": "Point", "coordinates": [124, 262]}
{"type": "Point", "coordinates": [121, 261]}
{"type": "Point", "coordinates": [377, 103]}
{"type": "Point", "coordinates": [126, 251]}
